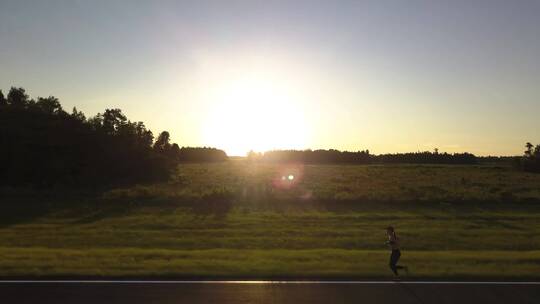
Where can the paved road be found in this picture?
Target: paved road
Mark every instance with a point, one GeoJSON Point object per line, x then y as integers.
{"type": "Point", "coordinates": [239, 293]}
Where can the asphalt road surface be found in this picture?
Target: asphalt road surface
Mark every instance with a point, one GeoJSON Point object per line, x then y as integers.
{"type": "Point", "coordinates": [266, 292]}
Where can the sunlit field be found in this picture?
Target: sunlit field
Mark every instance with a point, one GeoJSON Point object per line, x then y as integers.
{"type": "Point", "coordinates": [252, 220]}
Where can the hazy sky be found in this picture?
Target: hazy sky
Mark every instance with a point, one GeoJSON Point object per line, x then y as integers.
{"type": "Point", "coordinates": [389, 76]}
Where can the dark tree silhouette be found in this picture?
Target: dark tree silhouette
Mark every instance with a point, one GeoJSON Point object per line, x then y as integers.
{"type": "Point", "coordinates": [362, 157]}
{"type": "Point", "coordinates": [17, 97]}
{"type": "Point", "coordinates": [529, 151]}
{"type": "Point", "coordinates": [427, 157]}
{"type": "Point", "coordinates": [49, 105]}
{"type": "Point", "coordinates": [162, 143]}
{"type": "Point", "coordinates": [530, 161]}
{"type": "Point", "coordinates": [43, 146]}
{"type": "Point", "coordinates": [204, 154]}
{"type": "Point", "coordinates": [174, 151]}
{"type": "Point", "coordinates": [113, 120]}
{"type": "Point", "coordinates": [317, 156]}
{"type": "Point", "coordinates": [3, 101]}
{"type": "Point", "coordinates": [78, 115]}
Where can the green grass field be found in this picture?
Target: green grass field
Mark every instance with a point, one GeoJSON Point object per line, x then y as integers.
{"type": "Point", "coordinates": [243, 220]}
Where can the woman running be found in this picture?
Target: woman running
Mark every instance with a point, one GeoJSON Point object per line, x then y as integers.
{"type": "Point", "coordinates": [393, 243]}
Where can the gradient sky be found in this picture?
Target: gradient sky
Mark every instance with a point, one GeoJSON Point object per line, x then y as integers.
{"type": "Point", "coordinates": [389, 76]}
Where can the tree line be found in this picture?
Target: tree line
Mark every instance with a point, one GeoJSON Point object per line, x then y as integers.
{"type": "Point", "coordinates": [362, 157]}
{"type": "Point", "coordinates": [43, 145]}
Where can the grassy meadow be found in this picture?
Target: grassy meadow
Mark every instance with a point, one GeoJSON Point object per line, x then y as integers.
{"type": "Point", "coordinates": [251, 220]}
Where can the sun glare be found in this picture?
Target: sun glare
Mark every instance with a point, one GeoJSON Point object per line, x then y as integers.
{"type": "Point", "coordinates": [254, 114]}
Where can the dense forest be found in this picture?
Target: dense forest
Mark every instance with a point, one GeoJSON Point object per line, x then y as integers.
{"type": "Point", "coordinates": [42, 145]}
{"type": "Point", "coordinates": [362, 157]}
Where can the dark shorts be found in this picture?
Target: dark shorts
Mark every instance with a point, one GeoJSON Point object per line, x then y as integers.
{"type": "Point", "coordinates": [394, 257]}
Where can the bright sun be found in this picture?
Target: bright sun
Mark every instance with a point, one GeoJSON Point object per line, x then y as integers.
{"type": "Point", "coordinates": [254, 114]}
